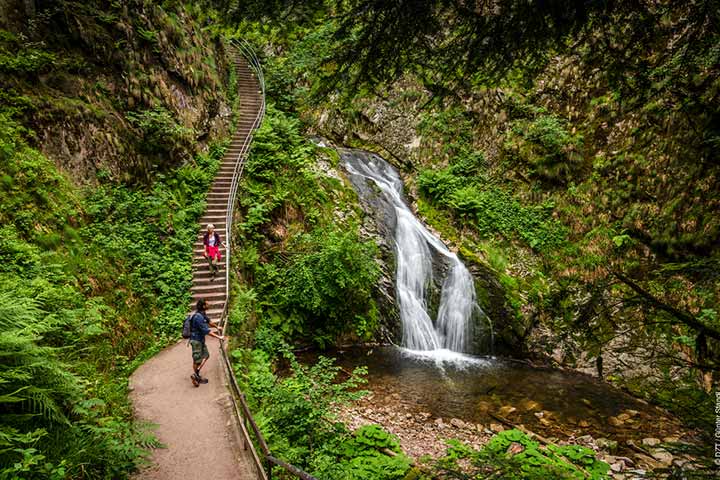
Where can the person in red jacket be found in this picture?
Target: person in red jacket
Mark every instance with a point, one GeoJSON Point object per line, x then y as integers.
{"type": "Point", "coordinates": [212, 242]}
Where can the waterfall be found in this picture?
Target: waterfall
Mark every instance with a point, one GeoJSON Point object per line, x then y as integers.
{"type": "Point", "coordinates": [416, 247]}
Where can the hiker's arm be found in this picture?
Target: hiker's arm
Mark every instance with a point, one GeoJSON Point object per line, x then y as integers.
{"type": "Point", "coordinates": [219, 337]}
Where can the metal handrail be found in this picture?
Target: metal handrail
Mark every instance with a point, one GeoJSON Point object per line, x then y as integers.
{"type": "Point", "coordinates": [248, 52]}
{"type": "Point", "coordinates": [243, 412]}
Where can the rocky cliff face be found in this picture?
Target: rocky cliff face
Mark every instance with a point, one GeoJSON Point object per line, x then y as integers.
{"type": "Point", "coordinates": [122, 88]}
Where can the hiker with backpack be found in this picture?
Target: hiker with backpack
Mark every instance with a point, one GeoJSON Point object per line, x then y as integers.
{"type": "Point", "coordinates": [196, 327]}
{"type": "Point", "coordinates": [212, 242]}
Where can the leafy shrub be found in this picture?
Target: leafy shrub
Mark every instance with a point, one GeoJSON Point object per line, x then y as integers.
{"type": "Point", "coordinates": [513, 455]}
{"type": "Point", "coordinates": [296, 415]}
{"type": "Point", "coordinates": [489, 209]}
{"type": "Point", "coordinates": [26, 61]}
{"type": "Point", "coordinates": [330, 284]}
{"type": "Point", "coordinates": [161, 133]}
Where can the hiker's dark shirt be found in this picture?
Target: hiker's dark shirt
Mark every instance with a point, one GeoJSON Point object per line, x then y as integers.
{"type": "Point", "coordinates": [199, 327]}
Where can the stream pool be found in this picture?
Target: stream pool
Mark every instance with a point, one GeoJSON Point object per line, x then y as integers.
{"type": "Point", "coordinates": [478, 390]}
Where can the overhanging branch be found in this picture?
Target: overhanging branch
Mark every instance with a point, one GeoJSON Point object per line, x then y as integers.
{"type": "Point", "coordinates": [683, 317]}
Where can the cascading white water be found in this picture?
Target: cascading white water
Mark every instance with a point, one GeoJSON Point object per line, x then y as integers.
{"type": "Point", "coordinates": [415, 245]}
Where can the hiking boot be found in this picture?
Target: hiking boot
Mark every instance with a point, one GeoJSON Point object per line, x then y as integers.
{"type": "Point", "coordinates": [200, 380]}
{"type": "Point", "coordinates": [194, 381]}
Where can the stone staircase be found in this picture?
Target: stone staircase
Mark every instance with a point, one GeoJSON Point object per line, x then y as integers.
{"type": "Point", "coordinates": [251, 102]}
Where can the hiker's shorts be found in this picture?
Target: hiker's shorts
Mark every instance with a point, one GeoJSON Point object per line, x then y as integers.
{"type": "Point", "coordinates": [199, 351]}
{"type": "Point", "coordinates": [212, 252]}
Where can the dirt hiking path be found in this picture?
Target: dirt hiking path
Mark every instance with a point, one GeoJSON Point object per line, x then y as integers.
{"type": "Point", "coordinates": [195, 424]}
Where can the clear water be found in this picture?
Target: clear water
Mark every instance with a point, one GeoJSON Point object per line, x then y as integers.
{"type": "Point", "coordinates": [449, 385]}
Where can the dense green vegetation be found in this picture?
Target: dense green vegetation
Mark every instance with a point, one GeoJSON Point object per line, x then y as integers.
{"type": "Point", "coordinates": [125, 87]}
{"type": "Point", "coordinates": [93, 282]}
{"type": "Point", "coordinates": [296, 413]}
{"type": "Point", "coordinates": [305, 276]}
{"type": "Point", "coordinates": [94, 271]}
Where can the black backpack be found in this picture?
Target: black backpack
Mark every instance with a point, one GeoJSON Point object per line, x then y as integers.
{"type": "Point", "coordinates": [187, 325]}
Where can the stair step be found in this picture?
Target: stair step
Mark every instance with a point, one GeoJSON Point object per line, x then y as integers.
{"type": "Point", "coordinates": [205, 275]}
{"type": "Point", "coordinates": [214, 314]}
{"type": "Point", "coordinates": [204, 291]}
{"type": "Point", "coordinates": [209, 296]}
{"type": "Point", "coordinates": [217, 285]}
{"type": "Point", "coordinates": [200, 264]}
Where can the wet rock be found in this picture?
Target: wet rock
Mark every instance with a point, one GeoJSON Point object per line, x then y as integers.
{"type": "Point", "coordinates": [651, 442]}
{"type": "Point", "coordinates": [544, 421]}
{"type": "Point", "coordinates": [662, 456]}
{"type": "Point", "coordinates": [585, 439]}
{"type": "Point", "coordinates": [439, 422]}
{"type": "Point", "coordinates": [507, 410]}
{"type": "Point", "coordinates": [648, 461]}
{"type": "Point", "coordinates": [623, 417]}
{"type": "Point", "coordinates": [617, 466]}
{"type": "Point", "coordinates": [671, 439]}
{"type": "Point", "coordinates": [615, 421]}
{"type": "Point", "coordinates": [529, 405]}
{"type": "Point", "coordinates": [606, 444]}
{"type": "Point", "coordinates": [457, 423]}
{"type": "Point", "coordinates": [583, 424]}
{"type": "Point", "coordinates": [496, 428]}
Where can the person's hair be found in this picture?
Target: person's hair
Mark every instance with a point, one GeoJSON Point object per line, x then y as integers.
{"type": "Point", "coordinates": [201, 305]}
